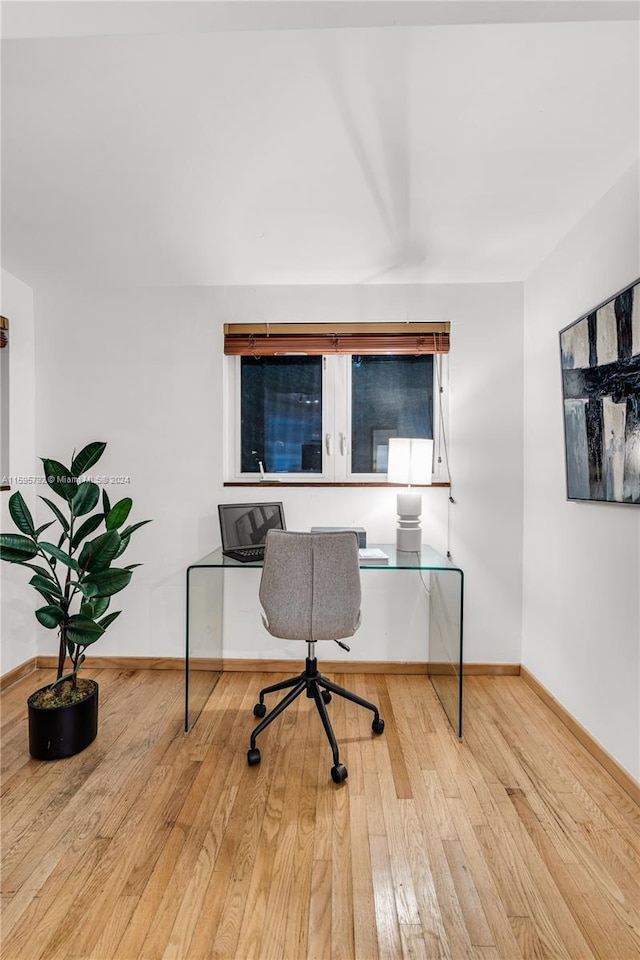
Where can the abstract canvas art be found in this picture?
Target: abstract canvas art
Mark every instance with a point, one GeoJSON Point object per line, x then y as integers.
{"type": "Point", "coordinates": [600, 355]}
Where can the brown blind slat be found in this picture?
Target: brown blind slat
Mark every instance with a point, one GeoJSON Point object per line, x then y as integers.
{"type": "Point", "coordinates": [253, 342]}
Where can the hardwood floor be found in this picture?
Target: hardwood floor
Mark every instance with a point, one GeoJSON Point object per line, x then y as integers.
{"type": "Point", "coordinates": [511, 844]}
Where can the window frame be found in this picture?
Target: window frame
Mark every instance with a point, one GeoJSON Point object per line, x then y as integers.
{"type": "Point", "coordinates": [336, 421]}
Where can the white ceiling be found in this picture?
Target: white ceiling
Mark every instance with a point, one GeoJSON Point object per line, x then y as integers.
{"type": "Point", "coordinates": [301, 142]}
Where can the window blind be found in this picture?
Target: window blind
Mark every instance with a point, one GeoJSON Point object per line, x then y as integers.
{"type": "Point", "coordinates": [271, 340]}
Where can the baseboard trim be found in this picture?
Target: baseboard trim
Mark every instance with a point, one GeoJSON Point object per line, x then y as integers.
{"type": "Point", "coordinates": [255, 665]}
{"type": "Point", "coordinates": [12, 676]}
{"type": "Point", "coordinates": [397, 667]}
{"type": "Point", "coordinates": [137, 663]}
{"type": "Point", "coordinates": [440, 669]}
{"type": "Point", "coordinates": [622, 777]}
{"type": "Point", "coordinates": [487, 669]}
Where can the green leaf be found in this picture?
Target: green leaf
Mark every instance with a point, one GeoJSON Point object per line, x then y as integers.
{"type": "Point", "coordinates": [97, 554]}
{"type": "Point", "coordinates": [125, 535]}
{"type": "Point", "coordinates": [124, 543]}
{"type": "Point", "coordinates": [46, 586]}
{"type": "Point", "coordinates": [59, 515]}
{"type": "Point", "coordinates": [106, 506]}
{"type": "Point", "coordinates": [86, 609]}
{"type": "Point", "coordinates": [42, 572]}
{"type": "Point", "coordinates": [104, 623]}
{"type": "Point", "coordinates": [48, 597]}
{"type": "Point", "coordinates": [83, 631]}
{"type": "Point", "coordinates": [50, 617]}
{"type": "Point", "coordinates": [60, 555]}
{"type": "Point", "coordinates": [100, 605]}
{"type": "Point", "coordinates": [85, 498]}
{"type": "Point", "coordinates": [16, 549]}
{"type": "Point", "coordinates": [106, 583]}
{"type": "Point", "coordinates": [42, 528]}
{"type": "Point", "coordinates": [90, 524]}
{"type": "Point", "coordinates": [119, 513]}
{"type": "Point", "coordinates": [94, 608]}
{"type": "Point", "coordinates": [20, 514]}
{"type": "Point", "coordinates": [132, 566]}
{"type": "Point", "coordinates": [129, 530]}
{"type": "Point", "coordinates": [87, 457]}
{"type": "Point", "coordinates": [59, 479]}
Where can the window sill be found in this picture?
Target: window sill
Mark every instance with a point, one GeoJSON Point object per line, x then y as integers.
{"type": "Point", "coordinates": [329, 483]}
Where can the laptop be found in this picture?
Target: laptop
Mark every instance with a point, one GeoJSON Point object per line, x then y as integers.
{"type": "Point", "coordinates": [244, 527]}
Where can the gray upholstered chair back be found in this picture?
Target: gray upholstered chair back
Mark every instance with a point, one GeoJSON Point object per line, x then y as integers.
{"type": "Point", "coordinates": [310, 586]}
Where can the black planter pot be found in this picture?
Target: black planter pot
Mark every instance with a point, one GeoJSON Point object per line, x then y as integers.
{"type": "Point", "coordinates": [58, 732]}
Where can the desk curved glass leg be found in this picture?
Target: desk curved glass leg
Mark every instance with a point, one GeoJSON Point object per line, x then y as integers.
{"type": "Point", "coordinates": [445, 641]}
{"type": "Point", "coordinates": [203, 638]}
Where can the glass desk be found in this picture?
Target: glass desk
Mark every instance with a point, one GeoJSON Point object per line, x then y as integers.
{"type": "Point", "coordinates": [442, 581]}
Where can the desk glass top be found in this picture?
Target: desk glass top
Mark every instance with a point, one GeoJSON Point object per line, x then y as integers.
{"type": "Point", "coordinates": [427, 559]}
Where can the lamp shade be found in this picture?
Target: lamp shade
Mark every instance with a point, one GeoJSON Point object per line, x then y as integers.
{"type": "Point", "coordinates": [410, 460]}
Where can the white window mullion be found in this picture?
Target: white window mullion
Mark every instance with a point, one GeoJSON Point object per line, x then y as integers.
{"type": "Point", "coordinates": [328, 425]}
{"type": "Point", "coordinates": [342, 446]}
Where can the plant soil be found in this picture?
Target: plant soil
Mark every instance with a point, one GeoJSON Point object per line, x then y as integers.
{"type": "Point", "coordinates": [62, 694]}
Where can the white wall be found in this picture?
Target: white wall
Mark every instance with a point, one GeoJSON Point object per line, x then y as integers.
{"type": "Point", "coordinates": [143, 370]}
{"type": "Point", "coordinates": [18, 625]}
{"type": "Point", "coordinates": [581, 622]}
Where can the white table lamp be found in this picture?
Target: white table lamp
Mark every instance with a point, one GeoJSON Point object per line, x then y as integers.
{"type": "Point", "coordinates": [410, 461]}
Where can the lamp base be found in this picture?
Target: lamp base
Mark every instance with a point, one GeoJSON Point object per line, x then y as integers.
{"type": "Point", "coordinates": [409, 541]}
{"type": "Point", "coordinates": [409, 533]}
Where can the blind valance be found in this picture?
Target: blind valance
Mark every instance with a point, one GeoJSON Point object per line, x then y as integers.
{"type": "Point", "coordinates": [274, 339]}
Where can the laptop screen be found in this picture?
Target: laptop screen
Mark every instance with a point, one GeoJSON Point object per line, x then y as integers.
{"type": "Point", "coordinates": [246, 524]}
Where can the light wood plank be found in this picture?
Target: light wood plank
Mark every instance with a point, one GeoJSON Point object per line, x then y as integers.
{"type": "Point", "coordinates": [319, 929]}
{"type": "Point", "coordinates": [365, 941]}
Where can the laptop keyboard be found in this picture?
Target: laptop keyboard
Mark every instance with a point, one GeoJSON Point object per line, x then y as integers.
{"type": "Point", "coordinates": [246, 554]}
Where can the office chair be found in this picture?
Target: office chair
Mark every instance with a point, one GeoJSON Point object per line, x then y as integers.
{"type": "Point", "coordinates": [310, 591]}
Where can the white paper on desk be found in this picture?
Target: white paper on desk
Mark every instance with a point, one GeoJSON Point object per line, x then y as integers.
{"type": "Point", "coordinates": [373, 553]}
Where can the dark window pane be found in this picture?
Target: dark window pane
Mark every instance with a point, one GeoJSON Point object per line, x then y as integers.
{"type": "Point", "coordinates": [281, 414]}
{"type": "Point", "coordinates": [390, 397]}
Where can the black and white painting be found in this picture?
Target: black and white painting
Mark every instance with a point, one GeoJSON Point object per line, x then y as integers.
{"type": "Point", "coordinates": [600, 356]}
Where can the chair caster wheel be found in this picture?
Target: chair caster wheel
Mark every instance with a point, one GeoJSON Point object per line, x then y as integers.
{"type": "Point", "coordinates": [253, 757]}
{"type": "Point", "coordinates": [259, 710]}
{"type": "Point", "coordinates": [326, 696]}
{"type": "Point", "coordinates": [378, 725]}
{"type": "Point", "coordinates": [339, 773]}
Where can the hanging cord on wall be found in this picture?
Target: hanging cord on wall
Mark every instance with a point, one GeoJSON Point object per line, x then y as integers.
{"type": "Point", "coordinates": [442, 448]}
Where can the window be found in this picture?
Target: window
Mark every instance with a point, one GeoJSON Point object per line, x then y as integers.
{"type": "Point", "coordinates": [311, 414]}
{"type": "Point", "coordinates": [390, 397]}
{"type": "Point", "coordinates": [281, 414]}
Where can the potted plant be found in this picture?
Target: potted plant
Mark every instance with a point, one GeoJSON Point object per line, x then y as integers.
{"type": "Point", "coordinates": [76, 573]}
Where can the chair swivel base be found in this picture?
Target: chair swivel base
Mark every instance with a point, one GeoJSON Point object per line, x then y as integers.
{"type": "Point", "coordinates": [319, 689]}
